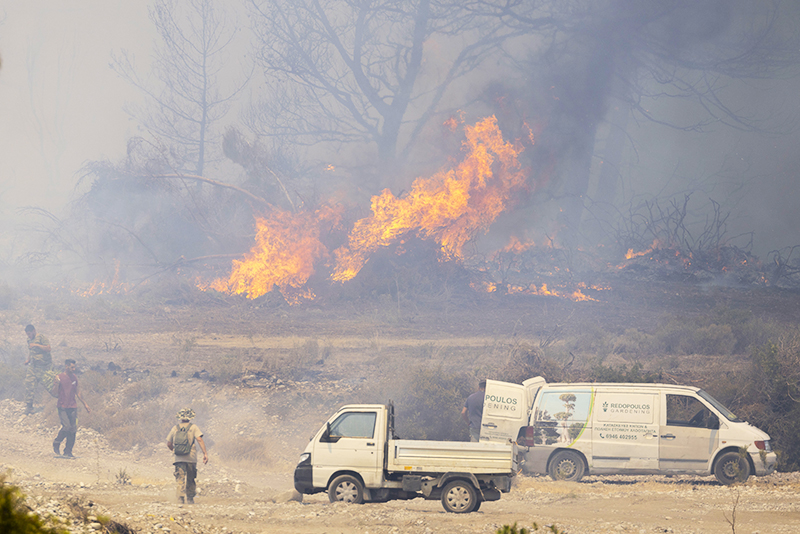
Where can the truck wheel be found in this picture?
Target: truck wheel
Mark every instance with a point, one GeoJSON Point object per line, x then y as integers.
{"type": "Point", "coordinates": [731, 468]}
{"type": "Point", "coordinates": [566, 465]}
{"type": "Point", "coordinates": [346, 488]}
{"type": "Point", "coordinates": [459, 497]}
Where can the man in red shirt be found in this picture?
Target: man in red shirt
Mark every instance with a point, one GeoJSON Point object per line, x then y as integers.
{"type": "Point", "coordinates": [65, 387]}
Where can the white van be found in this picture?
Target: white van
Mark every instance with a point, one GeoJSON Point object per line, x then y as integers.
{"type": "Point", "coordinates": [574, 429]}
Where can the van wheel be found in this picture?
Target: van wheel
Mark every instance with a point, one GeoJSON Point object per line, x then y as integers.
{"type": "Point", "coordinates": [566, 465]}
{"type": "Point", "coordinates": [459, 497]}
{"type": "Point", "coordinates": [346, 488]}
{"type": "Point", "coordinates": [731, 468]}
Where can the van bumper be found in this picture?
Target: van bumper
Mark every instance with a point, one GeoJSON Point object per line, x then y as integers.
{"type": "Point", "coordinates": [303, 478]}
{"type": "Point", "coordinates": [765, 465]}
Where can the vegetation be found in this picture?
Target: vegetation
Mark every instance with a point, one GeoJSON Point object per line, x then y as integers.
{"type": "Point", "coordinates": [15, 517]}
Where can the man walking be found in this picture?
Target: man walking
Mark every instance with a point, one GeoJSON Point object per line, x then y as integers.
{"type": "Point", "coordinates": [65, 387]}
{"type": "Point", "coordinates": [40, 364]}
{"type": "Point", "coordinates": [473, 411]}
{"type": "Point", "coordinates": [181, 440]}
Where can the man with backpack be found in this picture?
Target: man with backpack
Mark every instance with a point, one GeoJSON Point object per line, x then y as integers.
{"type": "Point", "coordinates": [181, 440]}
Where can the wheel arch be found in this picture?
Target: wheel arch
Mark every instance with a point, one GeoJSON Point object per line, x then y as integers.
{"type": "Point", "coordinates": [345, 472]}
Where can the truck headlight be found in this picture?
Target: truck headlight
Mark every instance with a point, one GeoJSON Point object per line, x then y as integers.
{"type": "Point", "coordinates": [305, 458]}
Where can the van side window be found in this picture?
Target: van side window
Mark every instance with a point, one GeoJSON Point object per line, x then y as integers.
{"type": "Point", "coordinates": [683, 410]}
{"type": "Point", "coordinates": [354, 425]}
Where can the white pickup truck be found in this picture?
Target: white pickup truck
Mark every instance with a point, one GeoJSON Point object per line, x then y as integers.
{"type": "Point", "coordinates": [356, 457]}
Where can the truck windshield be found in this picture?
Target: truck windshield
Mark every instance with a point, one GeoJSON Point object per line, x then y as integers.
{"type": "Point", "coordinates": [719, 406]}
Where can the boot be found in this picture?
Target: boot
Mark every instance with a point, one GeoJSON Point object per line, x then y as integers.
{"type": "Point", "coordinates": [57, 448]}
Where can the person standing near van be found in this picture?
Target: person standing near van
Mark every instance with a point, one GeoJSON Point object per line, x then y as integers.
{"type": "Point", "coordinates": [65, 387]}
{"type": "Point", "coordinates": [40, 366]}
{"type": "Point", "coordinates": [181, 441]}
{"type": "Point", "coordinates": [473, 411]}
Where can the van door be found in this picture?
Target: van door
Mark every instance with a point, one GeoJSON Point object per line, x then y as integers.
{"type": "Point", "coordinates": [689, 434]}
{"type": "Point", "coordinates": [505, 411]}
{"type": "Point", "coordinates": [625, 432]}
{"type": "Point", "coordinates": [352, 444]}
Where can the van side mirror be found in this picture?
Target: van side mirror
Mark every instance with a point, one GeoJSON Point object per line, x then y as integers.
{"type": "Point", "coordinates": [713, 422]}
{"type": "Point", "coordinates": [326, 436]}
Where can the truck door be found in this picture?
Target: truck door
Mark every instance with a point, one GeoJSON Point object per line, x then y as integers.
{"type": "Point", "coordinates": [625, 433]}
{"type": "Point", "coordinates": [689, 434]}
{"type": "Point", "coordinates": [353, 444]}
{"type": "Point", "coordinates": [505, 410]}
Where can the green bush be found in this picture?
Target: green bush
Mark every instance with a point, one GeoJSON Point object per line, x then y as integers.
{"type": "Point", "coordinates": [14, 516]}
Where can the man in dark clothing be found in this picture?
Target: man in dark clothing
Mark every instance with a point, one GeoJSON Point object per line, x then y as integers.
{"type": "Point", "coordinates": [40, 365]}
{"type": "Point", "coordinates": [65, 387]}
{"type": "Point", "coordinates": [473, 411]}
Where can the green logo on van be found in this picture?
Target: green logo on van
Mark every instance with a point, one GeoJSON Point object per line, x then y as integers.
{"type": "Point", "coordinates": [605, 406]}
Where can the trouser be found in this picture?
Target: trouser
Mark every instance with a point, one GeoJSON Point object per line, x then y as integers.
{"type": "Point", "coordinates": [474, 433]}
{"type": "Point", "coordinates": [185, 474]}
{"type": "Point", "coordinates": [69, 427]}
{"type": "Point", "coordinates": [37, 374]}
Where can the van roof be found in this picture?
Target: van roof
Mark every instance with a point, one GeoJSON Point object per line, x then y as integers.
{"type": "Point", "coordinates": [619, 385]}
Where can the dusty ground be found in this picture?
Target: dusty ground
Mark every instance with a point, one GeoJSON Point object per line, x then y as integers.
{"type": "Point", "coordinates": [256, 501]}
{"type": "Point", "coordinates": [348, 353]}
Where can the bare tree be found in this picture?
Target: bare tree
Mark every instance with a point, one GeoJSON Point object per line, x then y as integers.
{"type": "Point", "coordinates": [364, 71]}
{"type": "Point", "coordinates": [186, 100]}
{"type": "Point", "coordinates": [635, 53]}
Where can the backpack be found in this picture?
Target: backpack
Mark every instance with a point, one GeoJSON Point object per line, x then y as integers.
{"type": "Point", "coordinates": [181, 445]}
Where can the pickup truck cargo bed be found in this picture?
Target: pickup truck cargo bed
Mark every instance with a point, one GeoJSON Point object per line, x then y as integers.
{"type": "Point", "coordinates": [435, 456]}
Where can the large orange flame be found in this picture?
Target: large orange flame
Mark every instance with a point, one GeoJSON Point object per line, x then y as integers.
{"type": "Point", "coordinates": [286, 249]}
{"type": "Point", "coordinates": [450, 207]}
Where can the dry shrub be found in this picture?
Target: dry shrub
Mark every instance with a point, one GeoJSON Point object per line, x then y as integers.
{"type": "Point", "coordinates": [12, 378]}
{"type": "Point", "coordinates": [429, 403]}
{"type": "Point", "coordinates": [526, 361]}
{"type": "Point", "coordinates": [246, 450]}
{"type": "Point", "coordinates": [149, 387]}
{"type": "Point", "coordinates": [7, 296]}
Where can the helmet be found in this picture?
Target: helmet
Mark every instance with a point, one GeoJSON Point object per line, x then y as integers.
{"type": "Point", "coordinates": [186, 413]}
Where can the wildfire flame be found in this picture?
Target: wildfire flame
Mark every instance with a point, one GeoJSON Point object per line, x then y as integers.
{"type": "Point", "coordinates": [450, 207]}
{"type": "Point", "coordinates": [113, 286]}
{"type": "Point", "coordinates": [287, 247]}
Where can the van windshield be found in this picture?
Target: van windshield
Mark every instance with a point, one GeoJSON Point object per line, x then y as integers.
{"type": "Point", "coordinates": [719, 406]}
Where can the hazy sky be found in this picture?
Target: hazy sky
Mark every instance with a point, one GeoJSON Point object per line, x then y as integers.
{"type": "Point", "coordinates": [60, 103]}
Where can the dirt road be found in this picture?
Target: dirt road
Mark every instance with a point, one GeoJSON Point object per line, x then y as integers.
{"type": "Point", "coordinates": [247, 499]}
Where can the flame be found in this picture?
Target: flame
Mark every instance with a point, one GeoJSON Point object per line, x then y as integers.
{"type": "Point", "coordinates": [286, 249]}
{"type": "Point", "coordinates": [450, 207]}
{"type": "Point", "coordinates": [631, 254]}
{"type": "Point", "coordinates": [114, 286]}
